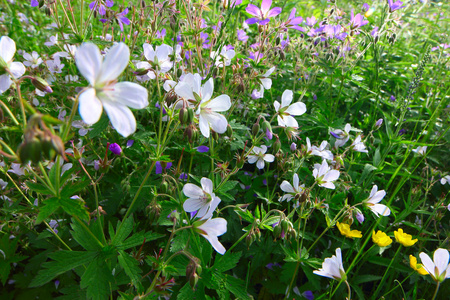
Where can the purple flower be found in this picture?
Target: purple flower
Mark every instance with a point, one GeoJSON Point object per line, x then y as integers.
{"type": "Point", "coordinates": [374, 32]}
{"type": "Point", "coordinates": [314, 97]}
{"type": "Point", "coordinates": [308, 295]}
{"type": "Point", "coordinates": [311, 21]}
{"type": "Point", "coordinates": [130, 143]}
{"type": "Point", "coordinates": [159, 169]}
{"type": "Point", "coordinates": [161, 34]}
{"type": "Point", "coordinates": [293, 147]}
{"type": "Point", "coordinates": [115, 148]}
{"type": "Point", "coordinates": [393, 6]}
{"type": "Point", "coordinates": [99, 7]}
{"type": "Point", "coordinates": [359, 217]}
{"type": "Point", "coordinates": [242, 35]}
{"type": "Point", "coordinates": [365, 7]}
{"type": "Point", "coordinates": [262, 14]}
{"type": "Point", "coordinates": [402, 132]}
{"type": "Point", "coordinates": [56, 284]}
{"type": "Point", "coordinates": [379, 123]}
{"type": "Point", "coordinates": [34, 3]}
{"type": "Point", "coordinates": [269, 134]}
{"type": "Point", "coordinates": [357, 21]}
{"type": "Point", "coordinates": [121, 19]}
{"type": "Point", "coordinates": [202, 149]}
{"type": "Point", "coordinates": [183, 176]}
{"type": "Point", "coordinates": [293, 21]}
{"type": "Point", "coordinates": [392, 98]}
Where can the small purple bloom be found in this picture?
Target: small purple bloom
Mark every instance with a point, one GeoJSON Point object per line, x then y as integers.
{"type": "Point", "coordinates": [402, 132]}
{"type": "Point", "coordinates": [393, 6]}
{"type": "Point", "coordinates": [115, 148]}
{"type": "Point", "coordinates": [159, 169]}
{"type": "Point", "coordinates": [202, 149]}
{"type": "Point", "coordinates": [308, 295]}
{"type": "Point", "coordinates": [262, 14]}
{"type": "Point", "coordinates": [293, 147]}
{"type": "Point", "coordinates": [183, 176]}
{"type": "Point", "coordinates": [109, 3]}
{"type": "Point", "coordinates": [365, 7]}
{"type": "Point", "coordinates": [242, 35]}
{"type": "Point", "coordinates": [392, 98]}
{"type": "Point", "coordinates": [359, 217]}
{"type": "Point", "coordinates": [56, 284]}
{"type": "Point", "coordinates": [311, 21]}
{"type": "Point", "coordinates": [130, 143]}
{"type": "Point", "coordinates": [34, 3]}
{"type": "Point", "coordinates": [121, 19]}
{"type": "Point", "coordinates": [335, 135]}
{"type": "Point", "coordinates": [161, 34]}
{"type": "Point", "coordinates": [357, 21]}
{"type": "Point", "coordinates": [374, 32]}
{"type": "Point", "coordinates": [269, 134]}
{"type": "Point", "coordinates": [314, 97]}
{"type": "Point", "coordinates": [379, 123]}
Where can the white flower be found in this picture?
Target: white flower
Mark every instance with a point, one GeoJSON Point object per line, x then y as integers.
{"type": "Point", "coordinates": [445, 179]}
{"type": "Point", "coordinates": [55, 65]}
{"type": "Point", "coordinates": [16, 69]}
{"type": "Point", "coordinates": [266, 82]}
{"type": "Point", "coordinates": [373, 202]}
{"type": "Point", "coordinates": [259, 156]}
{"type": "Point", "coordinates": [324, 175]}
{"type": "Point", "coordinates": [438, 268]}
{"type": "Point", "coordinates": [359, 146]}
{"type": "Point", "coordinates": [104, 90]}
{"type": "Point", "coordinates": [332, 267]}
{"type": "Point", "coordinates": [341, 136]}
{"type": "Point", "coordinates": [160, 57]}
{"type": "Point", "coordinates": [202, 200]}
{"type": "Point", "coordinates": [210, 230]}
{"type": "Point", "coordinates": [320, 151]}
{"type": "Point", "coordinates": [421, 150]}
{"type": "Point", "coordinates": [225, 56]}
{"type": "Point", "coordinates": [291, 190]}
{"type": "Point", "coordinates": [286, 111]}
{"type": "Point", "coordinates": [32, 60]}
{"type": "Point", "coordinates": [53, 40]}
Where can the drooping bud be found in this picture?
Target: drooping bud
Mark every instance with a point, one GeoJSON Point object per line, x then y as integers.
{"type": "Point", "coordinates": [276, 145]}
{"type": "Point", "coordinates": [229, 132]}
{"type": "Point", "coordinates": [41, 85]}
{"type": "Point", "coordinates": [255, 129]}
{"type": "Point", "coordinates": [30, 149]}
{"type": "Point", "coordinates": [141, 72]}
{"type": "Point", "coordinates": [183, 115]}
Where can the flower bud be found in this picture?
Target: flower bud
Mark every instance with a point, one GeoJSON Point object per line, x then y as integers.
{"type": "Point", "coordinates": [193, 280]}
{"type": "Point", "coordinates": [255, 129]}
{"type": "Point", "coordinates": [229, 132]}
{"type": "Point", "coordinates": [41, 85]}
{"type": "Point", "coordinates": [183, 115]}
{"type": "Point", "coordinates": [284, 225]}
{"type": "Point", "coordinates": [277, 145]}
{"type": "Point", "coordinates": [141, 72]}
{"type": "Point", "coordinates": [115, 148]}
{"type": "Point", "coordinates": [378, 124]}
{"type": "Point", "coordinates": [293, 147]}
{"type": "Point", "coordinates": [30, 149]}
{"type": "Point", "coordinates": [190, 115]}
{"type": "Point", "coordinates": [277, 231]}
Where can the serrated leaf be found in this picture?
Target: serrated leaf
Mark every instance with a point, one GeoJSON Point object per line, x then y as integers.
{"type": "Point", "coordinates": [50, 206]}
{"type": "Point", "coordinates": [228, 186]}
{"type": "Point", "coordinates": [63, 261]}
{"type": "Point", "coordinates": [99, 127]}
{"type": "Point", "coordinates": [235, 285]}
{"type": "Point", "coordinates": [97, 279]}
{"type": "Point", "coordinates": [180, 241]}
{"type": "Point", "coordinates": [70, 190]}
{"type": "Point", "coordinates": [138, 238]}
{"type": "Point", "coordinates": [74, 207]}
{"type": "Point", "coordinates": [84, 236]}
{"type": "Point", "coordinates": [38, 188]}
{"type": "Point", "coordinates": [131, 267]}
{"type": "Point", "coordinates": [123, 230]}
{"type": "Point", "coordinates": [228, 261]}
{"type": "Point", "coordinates": [244, 214]}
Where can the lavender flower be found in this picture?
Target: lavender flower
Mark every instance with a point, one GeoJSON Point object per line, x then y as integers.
{"type": "Point", "coordinates": [121, 19]}
{"type": "Point", "coordinates": [202, 149]}
{"type": "Point", "coordinates": [357, 21]}
{"type": "Point", "coordinates": [115, 148]}
{"type": "Point", "coordinates": [262, 14]}
{"type": "Point", "coordinates": [159, 168]}
{"type": "Point", "coordinates": [393, 6]}
{"type": "Point", "coordinates": [34, 3]}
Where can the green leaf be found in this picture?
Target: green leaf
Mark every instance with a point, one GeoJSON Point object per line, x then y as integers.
{"type": "Point", "coordinates": [63, 261]}
{"type": "Point", "coordinates": [123, 230]}
{"type": "Point", "coordinates": [84, 236]}
{"type": "Point", "coordinates": [365, 278]}
{"type": "Point", "coordinates": [228, 261]}
{"type": "Point", "coordinates": [228, 186]}
{"type": "Point", "coordinates": [131, 267]}
{"type": "Point", "coordinates": [50, 206]}
{"type": "Point", "coordinates": [8, 256]}
{"type": "Point", "coordinates": [99, 127]}
{"type": "Point", "coordinates": [234, 285]}
{"type": "Point", "coordinates": [74, 207]}
{"type": "Point", "coordinates": [138, 238]}
{"type": "Point", "coordinates": [70, 190]}
{"type": "Point", "coordinates": [38, 188]}
{"type": "Point", "coordinates": [97, 279]}
{"type": "Point", "coordinates": [368, 168]}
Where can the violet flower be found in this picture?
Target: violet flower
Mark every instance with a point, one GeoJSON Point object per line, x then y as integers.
{"type": "Point", "coordinates": [115, 148]}
{"type": "Point", "coordinates": [262, 14]}
{"type": "Point", "coordinates": [242, 35]}
{"type": "Point", "coordinates": [34, 3]}
{"type": "Point", "coordinates": [121, 19]}
{"type": "Point", "coordinates": [357, 21]}
{"type": "Point", "coordinates": [393, 6]}
{"type": "Point", "coordinates": [202, 149]}
{"type": "Point", "coordinates": [293, 21]}
{"type": "Point", "coordinates": [159, 168]}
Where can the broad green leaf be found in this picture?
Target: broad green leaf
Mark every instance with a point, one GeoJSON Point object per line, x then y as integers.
{"type": "Point", "coordinates": [38, 188]}
{"type": "Point", "coordinates": [8, 256]}
{"type": "Point", "coordinates": [70, 190]}
{"type": "Point", "coordinates": [97, 279]}
{"type": "Point", "coordinates": [85, 237]}
{"type": "Point", "coordinates": [227, 262]}
{"type": "Point", "coordinates": [138, 238]}
{"type": "Point", "coordinates": [74, 207]}
{"type": "Point", "coordinates": [228, 186]}
{"type": "Point", "coordinates": [50, 206]}
{"type": "Point", "coordinates": [235, 285]}
{"type": "Point", "coordinates": [99, 127]}
{"type": "Point", "coordinates": [62, 261]}
{"type": "Point", "coordinates": [123, 230]}
{"type": "Point", "coordinates": [131, 267]}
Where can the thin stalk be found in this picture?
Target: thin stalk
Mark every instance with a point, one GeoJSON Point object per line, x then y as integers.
{"type": "Point", "coordinates": [436, 290]}
{"type": "Point", "coordinates": [386, 272]}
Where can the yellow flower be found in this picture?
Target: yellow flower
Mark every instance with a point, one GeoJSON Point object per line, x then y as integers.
{"type": "Point", "coordinates": [415, 266]}
{"type": "Point", "coordinates": [381, 239]}
{"type": "Point", "coordinates": [345, 231]}
{"type": "Point", "coordinates": [404, 238]}
{"type": "Point", "coordinates": [369, 12]}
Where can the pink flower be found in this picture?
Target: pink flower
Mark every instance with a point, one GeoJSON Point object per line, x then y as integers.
{"type": "Point", "coordinates": [262, 14]}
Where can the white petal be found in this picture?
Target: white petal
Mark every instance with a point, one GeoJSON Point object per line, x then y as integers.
{"type": "Point", "coordinates": [221, 103]}
{"type": "Point", "coordinates": [252, 159]}
{"type": "Point", "coordinates": [331, 175]}
{"type": "Point", "coordinates": [207, 90]}
{"type": "Point", "coordinates": [428, 264]}
{"type": "Point", "coordinates": [266, 82]}
{"type": "Point", "coordinates": [17, 69]}
{"type": "Point", "coordinates": [328, 185]}
{"type": "Point", "coordinates": [217, 121]}
{"type": "Point", "coordinates": [290, 121]}
{"type": "Point", "coordinates": [281, 121]}
{"type": "Point", "coordinates": [7, 48]}
{"type": "Point", "coordinates": [149, 53]}
{"type": "Point", "coordinates": [5, 82]}
{"type": "Point", "coordinates": [295, 182]}
{"type": "Point", "coordinates": [184, 90]}
{"type": "Point", "coordinates": [193, 204]}
{"type": "Point", "coordinates": [192, 191]}
{"type": "Point", "coordinates": [116, 60]}
{"type": "Point", "coordinates": [286, 98]}
{"type": "Point", "coordinates": [377, 197]}
{"type": "Point", "coordinates": [287, 187]}
{"type": "Point", "coordinates": [270, 71]}
{"type": "Point", "coordinates": [120, 116]}
{"type": "Point", "coordinates": [373, 191]}
{"type": "Point", "coordinates": [260, 164]}
{"type": "Point", "coordinates": [296, 109]}
{"type": "Point", "coordinates": [380, 209]}
{"type": "Point", "coordinates": [207, 185]}
{"type": "Point", "coordinates": [130, 94]}
{"type": "Point", "coordinates": [215, 227]}
{"type": "Point", "coordinates": [90, 106]}
{"type": "Point", "coordinates": [89, 61]}
{"type": "Point", "coordinates": [269, 157]}
{"type": "Point", "coordinates": [441, 258]}
{"type": "Point", "coordinates": [163, 52]}
{"type": "Point", "coordinates": [276, 104]}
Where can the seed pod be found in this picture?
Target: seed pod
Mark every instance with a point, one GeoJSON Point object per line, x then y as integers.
{"type": "Point", "coordinates": [284, 225]}
{"type": "Point", "coordinates": [41, 85]}
{"type": "Point", "coordinates": [193, 280]}
{"type": "Point", "coordinates": [47, 145]}
{"type": "Point", "coordinates": [255, 129]}
{"type": "Point", "coordinates": [58, 146]}
{"type": "Point", "coordinates": [229, 132]}
{"type": "Point", "coordinates": [164, 187]}
{"type": "Point", "coordinates": [30, 150]}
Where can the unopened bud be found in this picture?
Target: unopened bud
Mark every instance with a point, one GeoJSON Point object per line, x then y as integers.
{"type": "Point", "coordinates": [190, 115]}
{"type": "Point", "coordinates": [41, 85]}
{"type": "Point", "coordinates": [229, 132]}
{"type": "Point", "coordinates": [183, 115]}
{"type": "Point", "coordinates": [30, 150]}
{"type": "Point", "coordinates": [255, 129]}
{"type": "Point", "coordinates": [277, 145]}
{"type": "Point", "coordinates": [378, 123]}
{"type": "Point", "coordinates": [141, 72]}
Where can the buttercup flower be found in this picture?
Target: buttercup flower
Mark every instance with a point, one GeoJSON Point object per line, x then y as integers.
{"type": "Point", "coordinates": [201, 199]}
{"type": "Point", "coordinates": [210, 230]}
{"type": "Point", "coordinates": [286, 111]}
{"type": "Point", "coordinates": [381, 239]}
{"type": "Point", "coordinates": [7, 66]}
{"type": "Point", "coordinates": [439, 267]}
{"type": "Point", "coordinates": [372, 202]}
{"type": "Point", "coordinates": [259, 156]}
{"type": "Point", "coordinates": [332, 267]}
{"type": "Point", "coordinates": [344, 229]}
{"type": "Point", "coordinates": [416, 267]}
{"type": "Point", "coordinates": [104, 90]}
{"type": "Point", "coordinates": [404, 238]}
{"type": "Point", "coordinates": [324, 175]}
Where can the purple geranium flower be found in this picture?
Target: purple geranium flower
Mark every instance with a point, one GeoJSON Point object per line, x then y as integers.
{"type": "Point", "coordinates": [393, 6]}
{"type": "Point", "coordinates": [34, 3]}
{"type": "Point", "coordinates": [115, 148]}
{"type": "Point", "coordinates": [159, 169]}
{"type": "Point", "coordinates": [357, 21]}
{"type": "Point", "coordinates": [262, 14]}
{"type": "Point", "coordinates": [202, 149]}
{"type": "Point", "coordinates": [121, 19]}
{"type": "Point", "coordinates": [293, 21]}
{"type": "Point", "coordinates": [242, 35]}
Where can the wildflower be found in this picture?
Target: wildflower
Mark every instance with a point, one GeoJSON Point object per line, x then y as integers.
{"type": "Point", "coordinates": [381, 239]}
{"type": "Point", "coordinates": [202, 200]}
{"type": "Point", "coordinates": [160, 58]}
{"type": "Point", "coordinates": [417, 267]}
{"type": "Point", "coordinates": [324, 175]}
{"type": "Point", "coordinates": [421, 150]}
{"type": "Point", "coordinates": [104, 90]}
{"type": "Point", "coordinates": [100, 7]}
{"type": "Point", "coordinates": [404, 238]}
{"type": "Point", "coordinates": [55, 65]}
{"type": "Point", "coordinates": [258, 155]}
{"type": "Point", "coordinates": [210, 230]}
{"type": "Point", "coordinates": [202, 149]}
{"type": "Point", "coordinates": [121, 19]}
{"type": "Point", "coordinates": [223, 58]}
{"type": "Point", "coordinates": [242, 35]}
{"type": "Point", "coordinates": [357, 21]}
{"type": "Point", "coordinates": [445, 179]}
{"type": "Point", "coordinates": [439, 267]}
{"type": "Point", "coordinates": [341, 136]}
{"type": "Point", "coordinates": [115, 148]}
{"type": "Point", "coordinates": [393, 6]}
{"type": "Point", "coordinates": [8, 68]}
{"type": "Point", "coordinates": [332, 267]}
{"type": "Point", "coordinates": [320, 151]}
{"type": "Point", "coordinates": [32, 60]}
{"type": "Point", "coordinates": [266, 82]}
{"type": "Point", "coordinates": [293, 191]}
{"type": "Point", "coordinates": [372, 202]}
{"type": "Point", "coordinates": [262, 14]}
{"type": "Point", "coordinates": [34, 3]}
{"type": "Point", "coordinates": [159, 166]}
{"type": "Point", "coordinates": [286, 111]}
{"type": "Point", "coordinates": [293, 21]}
{"type": "Point", "coordinates": [344, 229]}
{"type": "Point", "coordinates": [359, 216]}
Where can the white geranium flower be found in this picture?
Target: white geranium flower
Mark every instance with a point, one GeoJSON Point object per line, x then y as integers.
{"type": "Point", "coordinates": [32, 60]}
{"type": "Point", "coordinates": [224, 57]}
{"type": "Point", "coordinates": [259, 156]}
{"type": "Point", "coordinates": [286, 111]}
{"type": "Point", "coordinates": [445, 179]}
{"type": "Point", "coordinates": [359, 146]}
{"type": "Point", "coordinates": [341, 136]}
{"type": "Point", "coordinates": [104, 90]}
{"type": "Point", "coordinates": [332, 267]}
{"type": "Point", "coordinates": [320, 151]}
{"type": "Point", "coordinates": [292, 190]}
{"type": "Point", "coordinates": [324, 175]}
{"type": "Point", "coordinates": [7, 66]}
{"type": "Point", "coordinates": [373, 202]}
{"type": "Point", "coordinates": [202, 200]}
{"type": "Point", "coordinates": [160, 57]}
{"type": "Point", "coordinates": [210, 230]}
{"type": "Point", "coordinates": [438, 268]}
{"type": "Point", "coordinates": [266, 82]}
{"type": "Point", "coordinates": [421, 150]}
